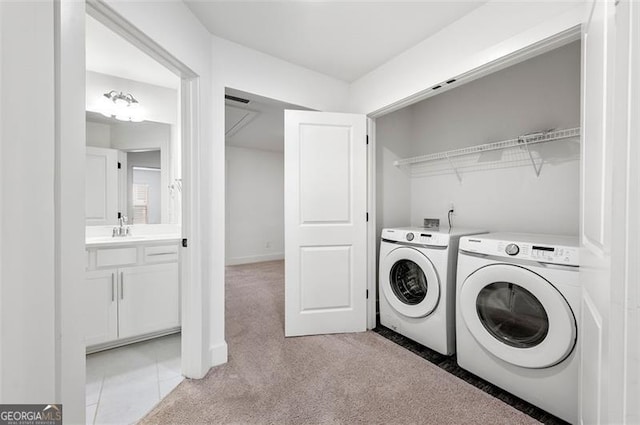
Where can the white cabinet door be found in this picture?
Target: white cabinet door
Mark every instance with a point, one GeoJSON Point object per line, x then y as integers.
{"type": "Point", "coordinates": [149, 299]}
{"type": "Point", "coordinates": [597, 208]}
{"type": "Point", "coordinates": [325, 223]}
{"type": "Point", "coordinates": [100, 305]}
{"type": "Point", "coordinates": [101, 190]}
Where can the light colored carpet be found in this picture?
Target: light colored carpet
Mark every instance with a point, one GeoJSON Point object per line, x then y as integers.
{"type": "Point", "coordinates": [330, 379]}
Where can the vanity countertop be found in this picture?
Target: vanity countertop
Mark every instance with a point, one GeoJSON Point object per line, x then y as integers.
{"type": "Point", "coordinates": [101, 236]}
{"type": "Point", "coordinates": [104, 241]}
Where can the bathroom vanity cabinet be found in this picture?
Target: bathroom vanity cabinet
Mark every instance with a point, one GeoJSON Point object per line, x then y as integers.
{"type": "Point", "coordinates": [132, 292]}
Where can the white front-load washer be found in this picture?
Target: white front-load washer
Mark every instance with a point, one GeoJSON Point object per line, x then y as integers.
{"type": "Point", "coordinates": [417, 283]}
{"type": "Point", "coordinates": [518, 300]}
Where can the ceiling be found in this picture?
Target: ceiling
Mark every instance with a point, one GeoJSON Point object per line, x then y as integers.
{"type": "Point", "coordinates": [108, 53]}
{"type": "Point", "coordinates": [258, 124]}
{"type": "Point", "coordinates": [342, 39]}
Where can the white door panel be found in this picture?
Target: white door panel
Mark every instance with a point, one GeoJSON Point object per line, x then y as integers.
{"type": "Point", "coordinates": [595, 152]}
{"type": "Point", "coordinates": [148, 299]}
{"type": "Point", "coordinates": [100, 319]}
{"type": "Point", "coordinates": [597, 175]}
{"type": "Point", "coordinates": [101, 202]}
{"type": "Point", "coordinates": [325, 223]}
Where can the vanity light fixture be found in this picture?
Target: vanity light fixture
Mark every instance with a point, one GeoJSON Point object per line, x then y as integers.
{"type": "Point", "coordinates": [123, 107]}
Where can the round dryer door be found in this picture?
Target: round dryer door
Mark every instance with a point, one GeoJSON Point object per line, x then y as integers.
{"type": "Point", "coordinates": [517, 315]}
{"type": "Point", "coordinates": [411, 285]}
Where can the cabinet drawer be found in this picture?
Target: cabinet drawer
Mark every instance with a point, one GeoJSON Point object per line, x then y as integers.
{"type": "Point", "coordinates": [116, 257]}
{"type": "Point", "coordinates": [160, 254]}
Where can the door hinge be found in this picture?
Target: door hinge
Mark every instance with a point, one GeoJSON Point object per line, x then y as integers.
{"type": "Point", "coordinates": [119, 165]}
{"type": "Point", "coordinates": [367, 217]}
{"type": "Point", "coordinates": [184, 243]}
{"type": "Point", "coordinates": [367, 294]}
{"type": "Point", "coordinates": [367, 139]}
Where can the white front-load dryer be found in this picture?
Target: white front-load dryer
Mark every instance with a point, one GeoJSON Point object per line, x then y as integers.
{"type": "Point", "coordinates": [417, 283]}
{"type": "Point", "coordinates": [518, 300]}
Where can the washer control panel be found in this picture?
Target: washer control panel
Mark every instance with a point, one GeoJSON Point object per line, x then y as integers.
{"type": "Point", "coordinates": [565, 254]}
{"type": "Point", "coordinates": [512, 249]}
{"type": "Point", "coordinates": [416, 237]}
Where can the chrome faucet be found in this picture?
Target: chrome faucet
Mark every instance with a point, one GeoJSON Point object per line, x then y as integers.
{"type": "Point", "coordinates": [122, 229]}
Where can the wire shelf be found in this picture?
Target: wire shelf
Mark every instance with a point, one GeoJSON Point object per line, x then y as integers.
{"type": "Point", "coordinates": [454, 162]}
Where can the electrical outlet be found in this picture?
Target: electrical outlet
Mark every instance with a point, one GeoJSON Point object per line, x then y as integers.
{"type": "Point", "coordinates": [267, 245]}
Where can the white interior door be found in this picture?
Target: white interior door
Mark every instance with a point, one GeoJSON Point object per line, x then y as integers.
{"type": "Point", "coordinates": [101, 201]}
{"type": "Point", "coordinates": [596, 230]}
{"type": "Point", "coordinates": [325, 223]}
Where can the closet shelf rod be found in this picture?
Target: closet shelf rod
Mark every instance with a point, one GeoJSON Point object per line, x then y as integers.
{"type": "Point", "coordinates": [504, 144]}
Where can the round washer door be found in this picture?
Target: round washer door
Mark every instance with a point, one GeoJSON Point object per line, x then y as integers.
{"type": "Point", "coordinates": [518, 316]}
{"type": "Point", "coordinates": [409, 282]}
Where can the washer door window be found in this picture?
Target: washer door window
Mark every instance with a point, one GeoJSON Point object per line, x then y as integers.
{"type": "Point", "coordinates": [409, 282]}
{"type": "Point", "coordinates": [517, 315]}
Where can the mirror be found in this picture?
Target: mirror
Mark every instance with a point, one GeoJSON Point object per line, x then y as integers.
{"type": "Point", "coordinates": [128, 172]}
{"type": "Point", "coordinates": [132, 134]}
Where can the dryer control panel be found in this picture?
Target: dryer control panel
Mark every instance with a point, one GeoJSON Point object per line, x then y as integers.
{"type": "Point", "coordinates": [533, 248]}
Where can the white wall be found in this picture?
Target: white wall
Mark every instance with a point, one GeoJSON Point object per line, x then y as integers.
{"type": "Point", "coordinates": [98, 134]}
{"type": "Point", "coordinates": [255, 205]}
{"type": "Point", "coordinates": [541, 93]}
{"type": "Point", "coordinates": [128, 135]}
{"type": "Point", "coordinates": [140, 135]}
{"type": "Point", "coordinates": [393, 188]}
{"type": "Point", "coordinates": [489, 32]}
{"type": "Point", "coordinates": [28, 335]}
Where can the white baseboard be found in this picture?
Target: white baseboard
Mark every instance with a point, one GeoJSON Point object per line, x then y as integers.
{"type": "Point", "coordinates": [254, 259]}
{"type": "Point", "coordinates": [218, 353]}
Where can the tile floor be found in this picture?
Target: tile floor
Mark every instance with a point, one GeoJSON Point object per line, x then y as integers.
{"type": "Point", "coordinates": [125, 383]}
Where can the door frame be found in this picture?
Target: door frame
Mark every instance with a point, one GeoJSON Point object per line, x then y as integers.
{"type": "Point", "coordinates": [190, 289]}
{"type": "Point", "coordinates": [70, 68]}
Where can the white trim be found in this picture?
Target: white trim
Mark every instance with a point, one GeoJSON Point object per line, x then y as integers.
{"type": "Point", "coordinates": [218, 353]}
{"type": "Point", "coordinates": [69, 201]}
{"type": "Point", "coordinates": [630, 12]}
{"type": "Point", "coordinates": [1, 221]}
{"type": "Point", "coordinates": [107, 16]}
{"type": "Point", "coordinates": [234, 261]}
{"type": "Point", "coordinates": [372, 270]}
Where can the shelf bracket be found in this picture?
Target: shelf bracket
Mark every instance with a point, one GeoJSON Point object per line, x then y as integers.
{"type": "Point", "coordinates": [455, 170]}
{"type": "Point", "coordinates": [536, 168]}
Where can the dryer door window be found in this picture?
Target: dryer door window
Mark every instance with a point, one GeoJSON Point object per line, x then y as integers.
{"type": "Point", "coordinates": [512, 314]}
{"type": "Point", "coordinates": [517, 315]}
{"type": "Point", "coordinates": [408, 282]}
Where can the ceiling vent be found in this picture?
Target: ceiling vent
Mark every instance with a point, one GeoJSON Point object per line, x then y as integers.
{"type": "Point", "coordinates": [236, 99]}
{"type": "Point", "coordinates": [236, 118]}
